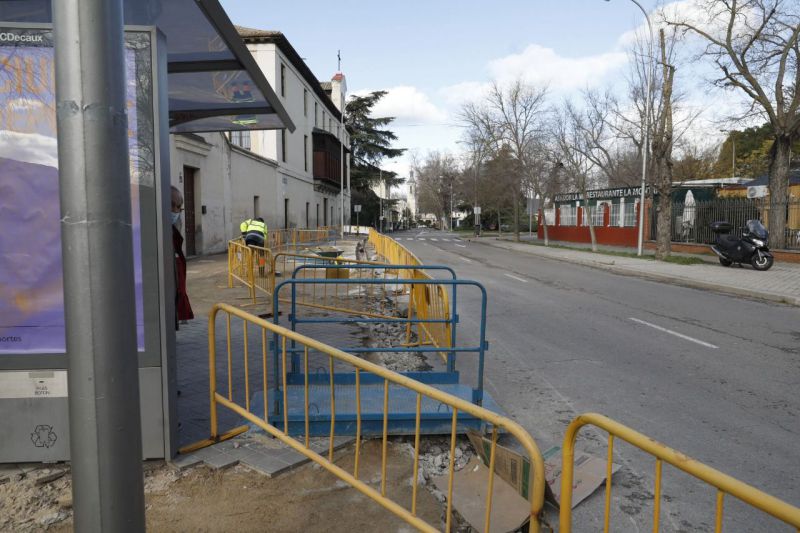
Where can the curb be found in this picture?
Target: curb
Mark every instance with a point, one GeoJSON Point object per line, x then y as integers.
{"type": "Point", "coordinates": [654, 276]}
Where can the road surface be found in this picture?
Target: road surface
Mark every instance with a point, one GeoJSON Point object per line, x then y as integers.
{"type": "Point", "coordinates": [711, 375]}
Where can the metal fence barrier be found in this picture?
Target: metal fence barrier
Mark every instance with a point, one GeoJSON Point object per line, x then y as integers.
{"type": "Point", "coordinates": [277, 348]}
{"type": "Point", "coordinates": [691, 221]}
{"type": "Point", "coordinates": [428, 302]}
{"type": "Point", "coordinates": [722, 482]}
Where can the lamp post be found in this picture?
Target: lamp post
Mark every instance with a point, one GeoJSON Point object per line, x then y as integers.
{"type": "Point", "coordinates": [646, 133]}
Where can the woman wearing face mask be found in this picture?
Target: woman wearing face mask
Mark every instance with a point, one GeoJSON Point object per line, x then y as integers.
{"type": "Point", "coordinates": [183, 309]}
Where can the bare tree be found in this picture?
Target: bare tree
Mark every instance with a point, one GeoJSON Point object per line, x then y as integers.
{"type": "Point", "coordinates": [568, 131]}
{"type": "Point", "coordinates": [754, 44]}
{"type": "Point", "coordinates": [436, 177]}
{"type": "Point", "coordinates": [662, 156]}
{"type": "Point", "coordinates": [510, 117]}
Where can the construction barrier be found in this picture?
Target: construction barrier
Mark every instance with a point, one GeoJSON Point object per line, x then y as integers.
{"type": "Point", "coordinates": [253, 265]}
{"type": "Point", "coordinates": [428, 302]}
{"type": "Point", "coordinates": [724, 483]}
{"type": "Point", "coordinates": [276, 347]}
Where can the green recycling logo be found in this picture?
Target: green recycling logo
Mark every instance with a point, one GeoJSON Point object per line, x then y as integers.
{"type": "Point", "coordinates": [43, 436]}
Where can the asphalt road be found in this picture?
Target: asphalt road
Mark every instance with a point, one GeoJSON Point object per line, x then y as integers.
{"type": "Point", "coordinates": [714, 376]}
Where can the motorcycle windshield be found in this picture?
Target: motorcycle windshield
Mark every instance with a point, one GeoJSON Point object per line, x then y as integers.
{"type": "Point", "coordinates": [757, 229]}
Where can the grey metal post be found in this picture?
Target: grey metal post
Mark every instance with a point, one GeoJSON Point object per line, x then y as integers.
{"type": "Point", "coordinates": [105, 428]}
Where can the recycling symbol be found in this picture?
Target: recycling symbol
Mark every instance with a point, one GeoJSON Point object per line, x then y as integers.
{"type": "Point", "coordinates": [43, 436]}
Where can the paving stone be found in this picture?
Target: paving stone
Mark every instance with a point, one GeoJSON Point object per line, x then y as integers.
{"type": "Point", "coordinates": [184, 462]}
{"type": "Point", "coordinates": [222, 461]}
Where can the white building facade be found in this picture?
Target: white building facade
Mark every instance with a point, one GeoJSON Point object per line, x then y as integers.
{"type": "Point", "coordinates": [294, 179]}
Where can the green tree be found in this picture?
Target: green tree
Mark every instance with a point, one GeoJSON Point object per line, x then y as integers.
{"type": "Point", "coordinates": [370, 142]}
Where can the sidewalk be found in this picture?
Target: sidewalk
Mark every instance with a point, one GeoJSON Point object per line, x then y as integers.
{"type": "Point", "coordinates": [779, 284]}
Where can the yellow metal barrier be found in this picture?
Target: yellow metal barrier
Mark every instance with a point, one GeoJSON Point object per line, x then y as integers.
{"type": "Point", "coordinates": [240, 264]}
{"type": "Point", "coordinates": [457, 405]}
{"type": "Point", "coordinates": [724, 483]}
{"type": "Point", "coordinates": [426, 301]}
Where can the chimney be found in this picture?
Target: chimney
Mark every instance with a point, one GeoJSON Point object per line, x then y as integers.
{"type": "Point", "coordinates": [339, 90]}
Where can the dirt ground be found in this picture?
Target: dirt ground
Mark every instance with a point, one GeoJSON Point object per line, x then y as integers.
{"type": "Point", "coordinates": [38, 497]}
{"type": "Point", "coordinates": [239, 499]}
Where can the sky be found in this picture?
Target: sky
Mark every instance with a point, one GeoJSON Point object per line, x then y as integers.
{"type": "Point", "coordinates": [434, 55]}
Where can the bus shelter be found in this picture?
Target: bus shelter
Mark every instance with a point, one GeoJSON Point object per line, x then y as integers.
{"type": "Point", "coordinates": [185, 70]}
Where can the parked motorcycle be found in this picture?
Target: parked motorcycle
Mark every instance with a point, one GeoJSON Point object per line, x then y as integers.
{"type": "Point", "coordinates": [751, 247]}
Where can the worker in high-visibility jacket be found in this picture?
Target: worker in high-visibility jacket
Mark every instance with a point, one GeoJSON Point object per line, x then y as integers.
{"type": "Point", "coordinates": [256, 232]}
{"type": "Point", "coordinates": [243, 226]}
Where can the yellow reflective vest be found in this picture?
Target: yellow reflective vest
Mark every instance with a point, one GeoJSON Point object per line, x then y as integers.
{"type": "Point", "coordinates": [257, 227]}
{"type": "Point", "coordinates": [243, 225]}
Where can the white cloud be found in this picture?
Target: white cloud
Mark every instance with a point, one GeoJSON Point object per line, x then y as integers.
{"type": "Point", "coordinates": [543, 66]}
{"type": "Point", "coordinates": [408, 105]}
{"type": "Point", "coordinates": [460, 93]}
{"type": "Point", "coordinates": [29, 148]}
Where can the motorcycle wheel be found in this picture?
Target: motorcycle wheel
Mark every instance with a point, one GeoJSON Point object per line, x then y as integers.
{"type": "Point", "coordinates": [762, 263]}
{"type": "Point", "coordinates": [725, 262]}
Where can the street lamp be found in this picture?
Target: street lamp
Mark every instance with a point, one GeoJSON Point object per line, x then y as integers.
{"type": "Point", "coordinates": [646, 143]}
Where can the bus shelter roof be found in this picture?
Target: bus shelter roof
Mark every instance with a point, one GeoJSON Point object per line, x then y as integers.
{"type": "Point", "coordinates": [214, 81]}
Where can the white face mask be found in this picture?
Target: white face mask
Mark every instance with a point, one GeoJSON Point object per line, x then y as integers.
{"type": "Point", "coordinates": [176, 219]}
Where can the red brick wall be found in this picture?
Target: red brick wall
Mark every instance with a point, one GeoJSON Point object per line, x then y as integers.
{"type": "Point", "coordinates": [609, 235]}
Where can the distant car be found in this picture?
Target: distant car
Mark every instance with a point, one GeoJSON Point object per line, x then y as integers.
{"type": "Point", "coordinates": [505, 227]}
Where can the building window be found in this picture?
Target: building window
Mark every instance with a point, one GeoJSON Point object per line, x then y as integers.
{"type": "Point", "coordinates": [286, 213]}
{"type": "Point", "coordinates": [256, 206]}
{"type": "Point", "coordinates": [317, 215]}
{"type": "Point", "coordinates": [597, 214]}
{"type": "Point", "coordinates": [283, 79]}
{"type": "Point", "coordinates": [283, 146]}
{"type": "Point", "coordinates": [630, 214]}
{"type": "Point", "coordinates": [241, 139]}
{"type": "Point", "coordinates": [308, 209]}
{"type": "Point", "coordinates": [323, 120]}
{"type": "Point", "coordinates": [615, 219]}
{"type": "Point", "coordinates": [305, 103]}
{"type": "Point", "coordinates": [315, 113]}
{"type": "Point", "coordinates": [568, 215]}
{"type": "Point", "coordinates": [305, 152]}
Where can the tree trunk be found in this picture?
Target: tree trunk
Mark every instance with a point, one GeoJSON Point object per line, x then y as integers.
{"type": "Point", "coordinates": [516, 217]}
{"type": "Point", "coordinates": [664, 233]}
{"type": "Point", "coordinates": [544, 228]}
{"type": "Point", "coordinates": [587, 211]}
{"type": "Point", "coordinates": [780, 154]}
{"type": "Point", "coordinates": [662, 160]}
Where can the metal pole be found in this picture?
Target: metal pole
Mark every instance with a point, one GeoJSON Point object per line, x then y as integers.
{"type": "Point", "coordinates": [733, 159]}
{"type": "Point", "coordinates": [646, 143]}
{"type": "Point", "coordinates": [450, 218]}
{"type": "Point", "coordinates": [380, 204]}
{"type": "Point", "coordinates": [97, 251]}
{"type": "Point", "coordinates": [341, 178]}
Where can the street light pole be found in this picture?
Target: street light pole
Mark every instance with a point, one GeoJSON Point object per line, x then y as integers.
{"type": "Point", "coordinates": [646, 134]}
{"type": "Point", "coordinates": [450, 217]}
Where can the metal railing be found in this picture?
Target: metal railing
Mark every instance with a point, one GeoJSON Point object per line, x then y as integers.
{"type": "Point", "coordinates": [724, 483]}
{"type": "Point", "coordinates": [691, 222]}
{"type": "Point", "coordinates": [277, 348]}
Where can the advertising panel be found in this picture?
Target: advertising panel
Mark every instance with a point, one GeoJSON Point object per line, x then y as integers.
{"type": "Point", "coordinates": [31, 282]}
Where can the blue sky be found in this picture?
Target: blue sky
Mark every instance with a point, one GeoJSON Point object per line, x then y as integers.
{"type": "Point", "coordinates": [434, 55]}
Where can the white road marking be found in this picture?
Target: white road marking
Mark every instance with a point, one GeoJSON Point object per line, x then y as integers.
{"type": "Point", "coordinates": [681, 335]}
{"type": "Point", "coordinates": [423, 238]}
{"type": "Point", "coordinates": [461, 245]}
{"type": "Point", "coordinates": [516, 278]}
{"type": "Point", "coordinates": [465, 259]}
{"type": "Point", "coordinates": [446, 240]}
{"type": "Point", "coordinates": [434, 239]}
